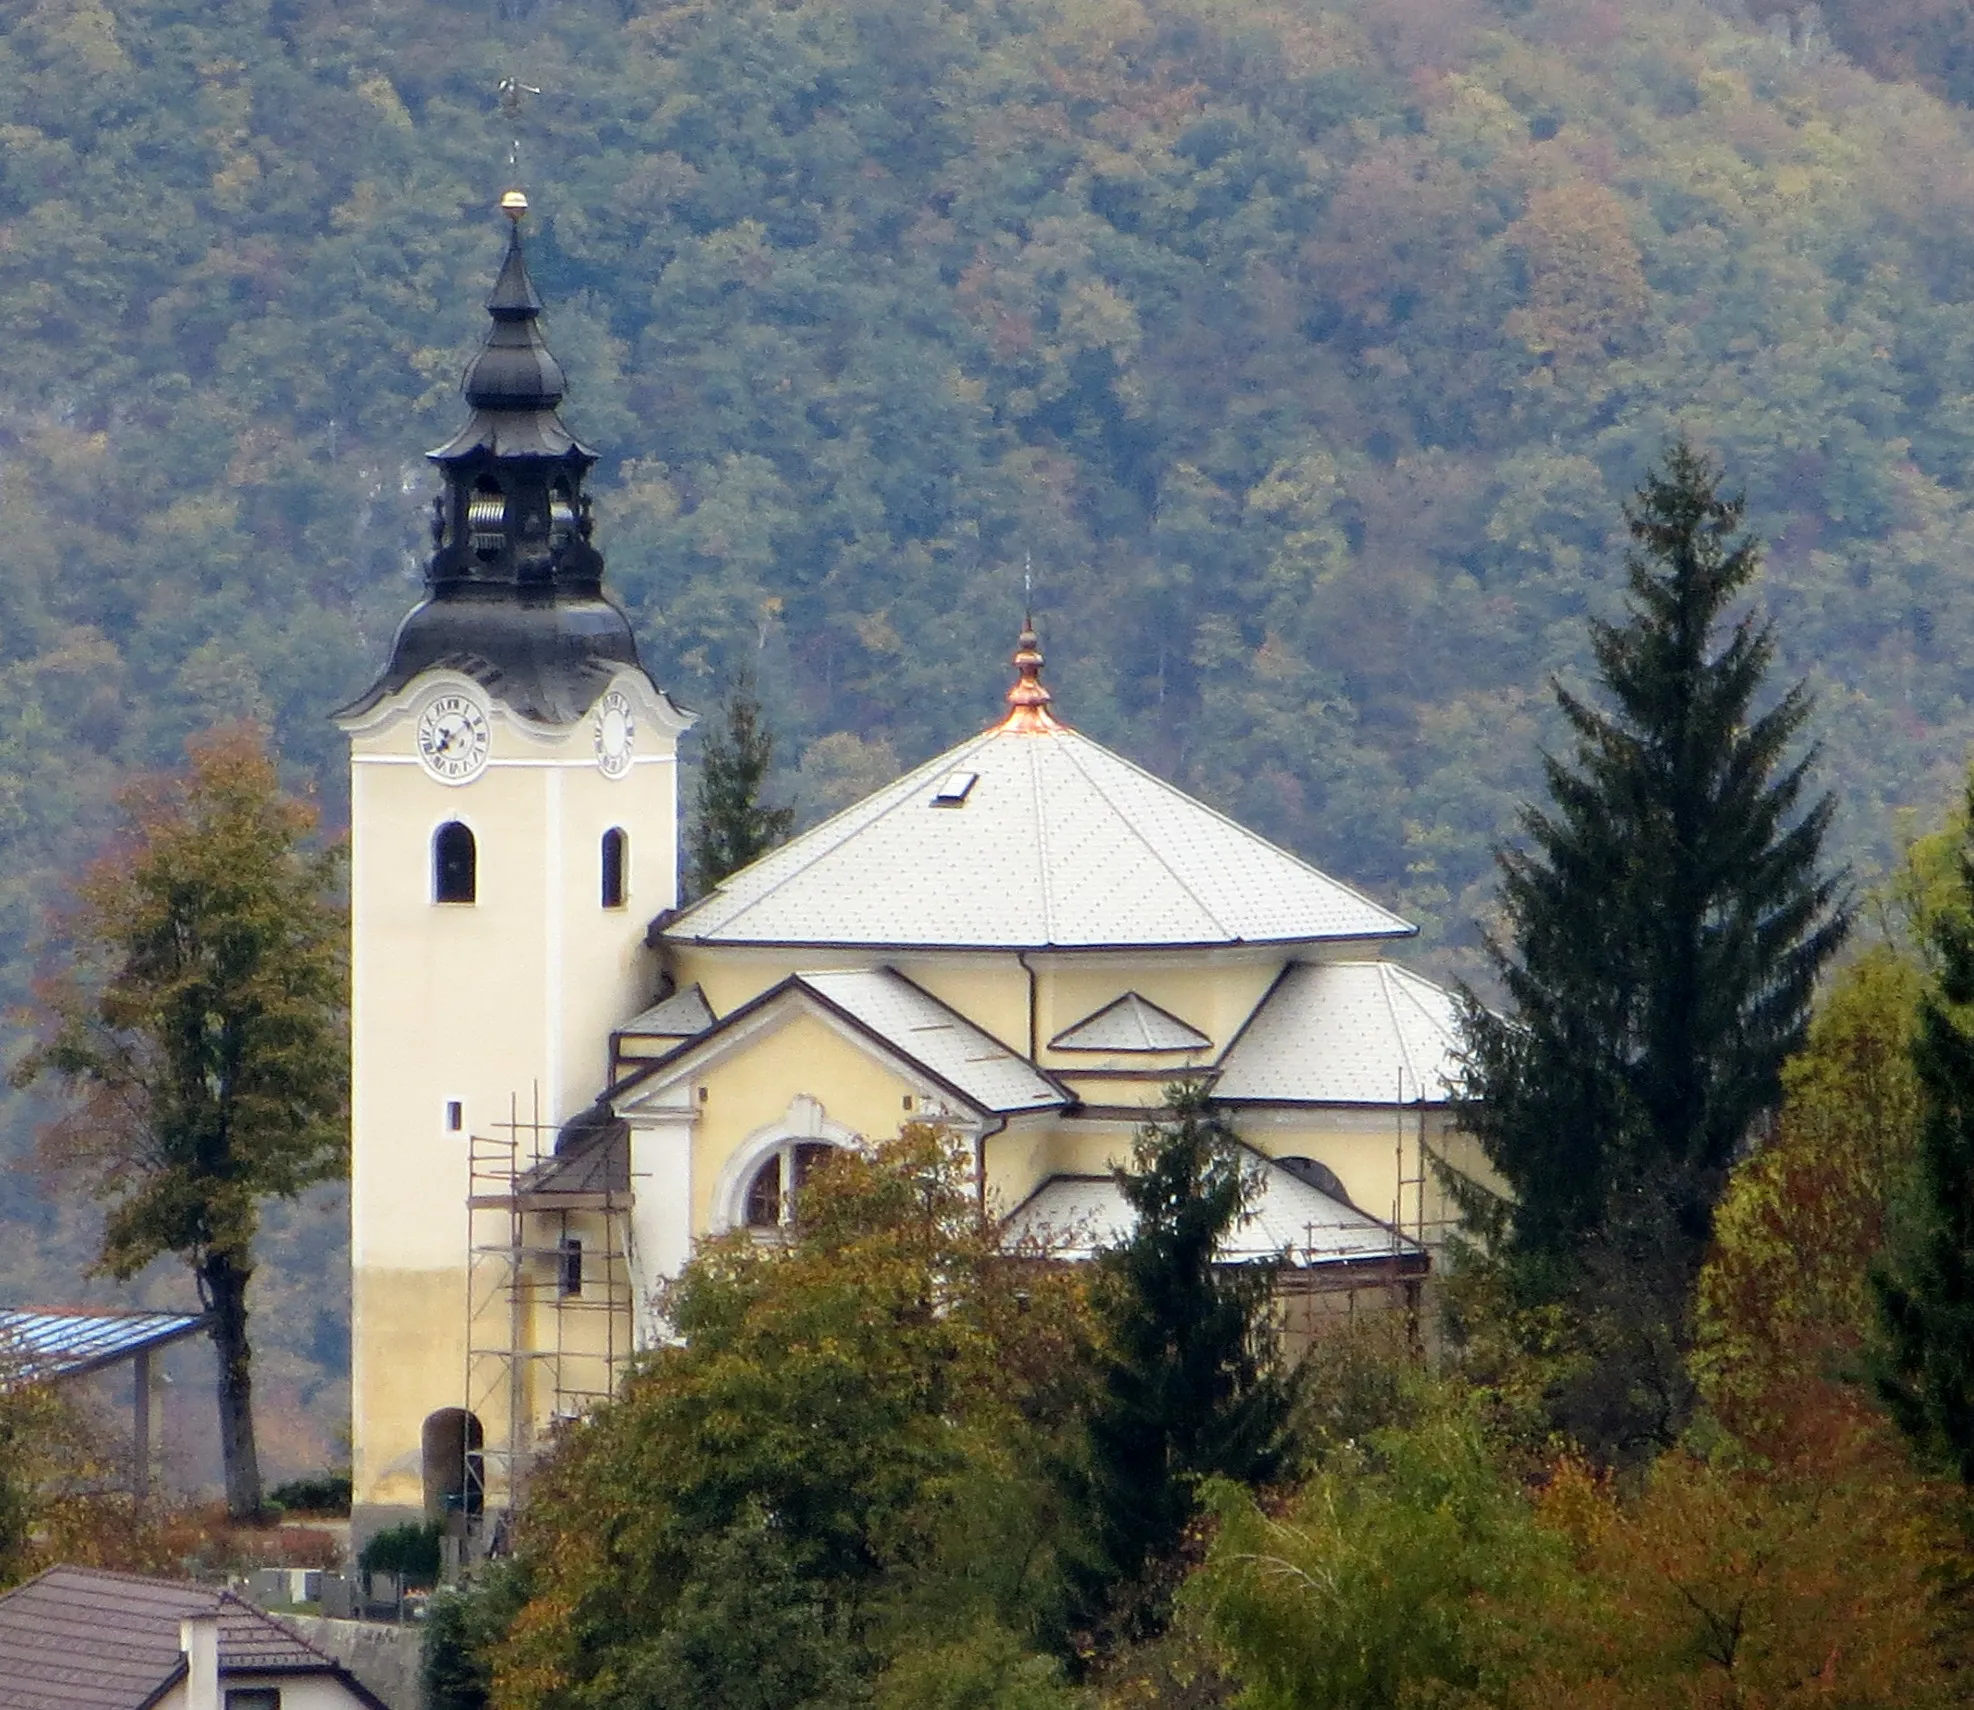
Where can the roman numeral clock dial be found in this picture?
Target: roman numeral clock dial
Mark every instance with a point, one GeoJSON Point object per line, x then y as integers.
{"type": "Point", "coordinates": [615, 733]}
{"type": "Point", "coordinates": [453, 739]}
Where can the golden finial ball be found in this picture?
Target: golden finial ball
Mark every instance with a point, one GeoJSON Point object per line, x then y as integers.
{"type": "Point", "coordinates": [514, 204]}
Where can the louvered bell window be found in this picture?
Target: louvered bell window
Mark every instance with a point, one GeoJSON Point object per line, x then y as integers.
{"type": "Point", "coordinates": [486, 520]}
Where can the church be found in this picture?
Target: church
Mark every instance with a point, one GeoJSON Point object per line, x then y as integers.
{"type": "Point", "coordinates": [563, 1079]}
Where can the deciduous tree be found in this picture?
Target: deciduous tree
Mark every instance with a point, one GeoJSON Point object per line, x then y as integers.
{"type": "Point", "coordinates": [197, 1023]}
{"type": "Point", "coordinates": [840, 1460]}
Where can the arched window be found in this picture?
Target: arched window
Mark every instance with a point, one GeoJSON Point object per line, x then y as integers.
{"type": "Point", "coordinates": [777, 1183]}
{"type": "Point", "coordinates": [616, 867]}
{"type": "Point", "coordinates": [455, 864]}
{"type": "Point", "coordinates": [452, 1448]}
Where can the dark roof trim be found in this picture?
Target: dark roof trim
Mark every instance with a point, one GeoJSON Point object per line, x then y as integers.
{"type": "Point", "coordinates": [163, 1689]}
{"type": "Point", "coordinates": [1118, 1002]}
{"type": "Point", "coordinates": [1267, 997]}
{"type": "Point", "coordinates": [657, 934]}
{"type": "Point", "coordinates": [1336, 1103]}
{"type": "Point", "coordinates": [795, 983]}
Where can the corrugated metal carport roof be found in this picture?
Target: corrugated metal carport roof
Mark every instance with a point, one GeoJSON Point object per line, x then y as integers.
{"type": "Point", "coordinates": [38, 1342]}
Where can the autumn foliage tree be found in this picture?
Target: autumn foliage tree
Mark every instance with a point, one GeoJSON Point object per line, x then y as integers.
{"type": "Point", "coordinates": [196, 1021]}
{"type": "Point", "coordinates": [834, 1471]}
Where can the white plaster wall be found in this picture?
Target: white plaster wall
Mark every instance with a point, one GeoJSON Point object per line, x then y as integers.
{"type": "Point", "coordinates": [298, 1692]}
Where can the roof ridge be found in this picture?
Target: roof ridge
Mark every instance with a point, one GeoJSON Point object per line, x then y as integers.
{"type": "Point", "coordinates": [1247, 831]}
{"type": "Point", "coordinates": [1406, 1064]}
{"type": "Point", "coordinates": [1042, 842]}
{"type": "Point", "coordinates": [1131, 826]}
{"type": "Point", "coordinates": [902, 796]}
{"type": "Point", "coordinates": [216, 1592]}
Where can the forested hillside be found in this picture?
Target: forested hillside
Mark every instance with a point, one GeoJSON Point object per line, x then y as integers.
{"type": "Point", "coordinates": [1305, 346]}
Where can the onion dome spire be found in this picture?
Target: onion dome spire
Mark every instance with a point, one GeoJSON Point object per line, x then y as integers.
{"type": "Point", "coordinates": [514, 587]}
{"type": "Point", "coordinates": [1028, 700]}
{"type": "Point", "coordinates": [515, 369]}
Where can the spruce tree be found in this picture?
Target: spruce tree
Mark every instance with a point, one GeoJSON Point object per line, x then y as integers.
{"type": "Point", "coordinates": [730, 826]}
{"type": "Point", "coordinates": [1192, 1384]}
{"type": "Point", "coordinates": [1926, 1292]}
{"type": "Point", "coordinates": [1667, 919]}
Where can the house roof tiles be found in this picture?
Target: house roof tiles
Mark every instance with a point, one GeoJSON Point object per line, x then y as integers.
{"type": "Point", "coordinates": [82, 1639]}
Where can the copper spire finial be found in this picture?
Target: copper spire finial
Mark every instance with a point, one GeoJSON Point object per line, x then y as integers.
{"type": "Point", "coordinates": [1028, 701]}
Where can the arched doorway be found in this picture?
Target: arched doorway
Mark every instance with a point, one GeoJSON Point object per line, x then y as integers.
{"type": "Point", "coordinates": [455, 1466]}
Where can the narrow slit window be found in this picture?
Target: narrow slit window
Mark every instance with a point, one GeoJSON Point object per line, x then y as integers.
{"type": "Point", "coordinates": [569, 1265]}
{"type": "Point", "coordinates": [616, 867]}
{"type": "Point", "coordinates": [455, 864]}
{"type": "Point", "coordinates": [455, 1116]}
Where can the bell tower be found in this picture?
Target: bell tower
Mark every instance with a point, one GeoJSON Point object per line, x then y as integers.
{"type": "Point", "coordinates": [513, 819]}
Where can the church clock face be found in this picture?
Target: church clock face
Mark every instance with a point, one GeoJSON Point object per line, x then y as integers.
{"type": "Point", "coordinates": [453, 739]}
{"type": "Point", "coordinates": [616, 734]}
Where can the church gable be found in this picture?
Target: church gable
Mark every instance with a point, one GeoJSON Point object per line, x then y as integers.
{"type": "Point", "coordinates": [887, 1017]}
{"type": "Point", "coordinates": [1130, 1024]}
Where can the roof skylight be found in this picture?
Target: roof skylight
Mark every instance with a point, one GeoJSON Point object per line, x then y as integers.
{"type": "Point", "coordinates": [953, 789]}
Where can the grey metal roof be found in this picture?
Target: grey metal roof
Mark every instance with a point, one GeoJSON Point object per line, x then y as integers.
{"type": "Point", "coordinates": [42, 1342]}
{"type": "Point", "coordinates": [920, 1027]}
{"type": "Point", "coordinates": [1076, 1217]}
{"type": "Point", "coordinates": [1130, 1023]}
{"type": "Point", "coordinates": [81, 1639]}
{"type": "Point", "coordinates": [1346, 1033]}
{"type": "Point", "coordinates": [1059, 843]}
{"type": "Point", "coordinates": [680, 1016]}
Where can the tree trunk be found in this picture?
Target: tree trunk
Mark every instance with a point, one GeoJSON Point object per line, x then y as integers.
{"type": "Point", "coordinates": [225, 1279]}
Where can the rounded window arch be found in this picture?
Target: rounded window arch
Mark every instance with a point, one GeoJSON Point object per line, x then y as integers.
{"type": "Point", "coordinates": [775, 1188]}
{"type": "Point", "coordinates": [616, 857]}
{"type": "Point", "coordinates": [455, 864]}
{"type": "Point", "coordinates": [452, 1453]}
{"type": "Point", "coordinates": [762, 1178]}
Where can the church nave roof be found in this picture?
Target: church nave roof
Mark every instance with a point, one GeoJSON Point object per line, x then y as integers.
{"type": "Point", "coordinates": [1028, 837]}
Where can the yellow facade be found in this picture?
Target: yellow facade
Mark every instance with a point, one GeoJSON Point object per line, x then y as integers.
{"type": "Point", "coordinates": [504, 1273]}
{"type": "Point", "coordinates": [468, 1018]}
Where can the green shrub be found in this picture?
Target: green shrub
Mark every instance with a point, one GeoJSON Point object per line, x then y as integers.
{"type": "Point", "coordinates": [318, 1493]}
{"type": "Point", "coordinates": [411, 1550]}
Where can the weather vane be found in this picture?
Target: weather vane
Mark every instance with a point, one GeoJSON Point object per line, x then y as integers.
{"type": "Point", "coordinates": [1028, 582]}
{"type": "Point", "coordinates": [513, 93]}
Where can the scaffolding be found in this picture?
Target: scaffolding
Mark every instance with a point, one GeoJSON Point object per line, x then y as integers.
{"type": "Point", "coordinates": [548, 1296]}
{"type": "Point", "coordinates": [1420, 1169]}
